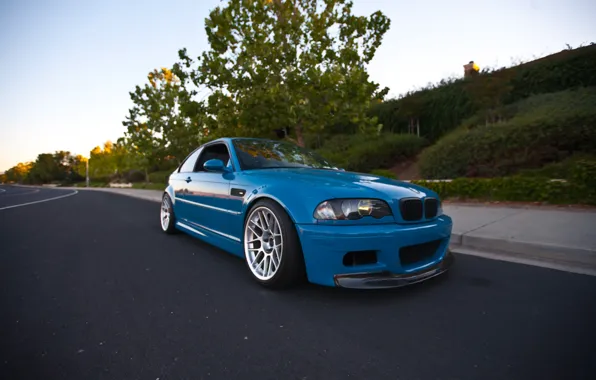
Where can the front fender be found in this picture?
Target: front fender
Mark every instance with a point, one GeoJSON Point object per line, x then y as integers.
{"type": "Point", "coordinates": [170, 191]}
{"type": "Point", "coordinates": [299, 203]}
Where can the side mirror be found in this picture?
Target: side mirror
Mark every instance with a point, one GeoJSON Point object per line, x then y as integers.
{"type": "Point", "coordinates": [215, 165]}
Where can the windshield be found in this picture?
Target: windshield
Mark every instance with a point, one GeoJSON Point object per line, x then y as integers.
{"type": "Point", "coordinates": [266, 154]}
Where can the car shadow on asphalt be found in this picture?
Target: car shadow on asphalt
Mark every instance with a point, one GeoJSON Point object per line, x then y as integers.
{"type": "Point", "coordinates": [233, 269]}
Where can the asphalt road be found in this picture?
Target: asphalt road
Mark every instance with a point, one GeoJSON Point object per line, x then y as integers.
{"type": "Point", "coordinates": [91, 289]}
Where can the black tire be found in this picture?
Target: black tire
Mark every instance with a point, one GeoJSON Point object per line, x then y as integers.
{"type": "Point", "coordinates": [169, 227]}
{"type": "Point", "coordinates": [291, 270]}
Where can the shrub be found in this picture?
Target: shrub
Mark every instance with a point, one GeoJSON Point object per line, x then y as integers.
{"type": "Point", "coordinates": [583, 174]}
{"type": "Point", "coordinates": [365, 153]}
{"type": "Point", "coordinates": [149, 186]}
{"type": "Point", "coordinates": [160, 177]}
{"type": "Point", "coordinates": [134, 176]}
{"type": "Point", "coordinates": [561, 170]}
{"type": "Point", "coordinates": [100, 180]}
{"type": "Point", "coordinates": [517, 188]}
{"type": "Point", "coordinates": [384, 173]}
{"type": "Point", "coordinates": [531, 139]}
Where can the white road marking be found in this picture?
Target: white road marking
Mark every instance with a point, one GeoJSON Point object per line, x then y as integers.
{"type": "Point", "coordinates": [43, 200]}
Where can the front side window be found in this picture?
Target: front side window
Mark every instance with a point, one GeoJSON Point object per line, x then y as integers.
{"type": "Point", "coordinates": [265, 154]}
{"type": "Point", "coordinates": [189, 163]}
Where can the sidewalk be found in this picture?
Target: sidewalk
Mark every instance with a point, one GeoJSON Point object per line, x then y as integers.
{"type": "Point", "coordinates": [559, 239]}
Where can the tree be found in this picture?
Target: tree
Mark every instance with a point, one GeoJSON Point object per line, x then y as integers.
{"type": "Point", "coordinates": [297, 64]}
{"type": "Point", "coordinates": [165, 120]}
{"type": "Point", "coordinates": [487, 92]}
{"type": "Point", "coordinates": [109, 160]}
{"type": "Point", "coordinates": [18, 172]}
{"type": "Point", "coordinates": [411, 107]}
{"type": "Point", "coordinates": [79, 166]}
{"type": "Point", "coordinates": [59, 166]}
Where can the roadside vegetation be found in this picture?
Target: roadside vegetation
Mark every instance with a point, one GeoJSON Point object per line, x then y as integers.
{"type": "Point", "coordinates": [499, 134]}
{"type": "Point", "coordinates": [534, 132]}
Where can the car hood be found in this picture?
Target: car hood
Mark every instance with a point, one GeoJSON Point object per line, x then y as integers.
{"type": "Point", "coordinates": [340, 184]}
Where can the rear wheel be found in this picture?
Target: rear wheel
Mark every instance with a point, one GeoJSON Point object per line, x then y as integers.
{"type": "Point", "coordinates": [271, 246]}
{"type": "Point", "coordinates": [167, 217]}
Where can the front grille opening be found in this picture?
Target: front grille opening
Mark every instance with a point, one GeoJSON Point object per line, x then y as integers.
{"type": "Point", "coordinates": [355, 258]}
{"type": "Point", "coordinates": [411, 209]}
{"type": "Point", "coordinates": [419, 252]}
{"type": "Point", "coordinates": [431, 207]}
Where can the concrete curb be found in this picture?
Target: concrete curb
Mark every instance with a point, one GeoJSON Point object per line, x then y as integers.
{"type": "Point", "coordinates": [577, 260]}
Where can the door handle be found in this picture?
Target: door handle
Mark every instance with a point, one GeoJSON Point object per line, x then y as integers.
{"type": "Point", "coordinates": [188, 180]}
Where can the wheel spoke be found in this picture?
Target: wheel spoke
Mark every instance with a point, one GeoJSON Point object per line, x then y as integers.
{"type": "Point", "coordinates": [269, 269]}
{"type": "Point", "coordinates": [270, 222]}
{"type": "Point", "coordinates": [256, 259]}
{"type": "Point", "coordinates": [264, 226]}
{"type": "Point", "coordinates": [275, 259]}
{"type": "Point", "coordinates": [265, 265]}
{"type": "Point", "coordinates": [253, 231]}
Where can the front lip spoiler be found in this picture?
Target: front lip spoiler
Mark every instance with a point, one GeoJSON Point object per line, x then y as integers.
{"type": "Point", "coordinates": [383, 280]}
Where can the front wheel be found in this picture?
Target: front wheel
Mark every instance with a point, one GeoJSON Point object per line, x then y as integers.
{"type": "Point", "coordinates": [167, 217]}
{"type": "Point", "coordinates": [271, 246]}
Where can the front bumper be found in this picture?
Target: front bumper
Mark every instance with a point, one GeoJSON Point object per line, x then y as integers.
{"type": "Point", "coordinates": [385, 280]}
{"type": "Point", "coordinates": [325, 248]}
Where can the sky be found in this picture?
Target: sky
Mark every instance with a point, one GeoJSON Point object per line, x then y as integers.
{"type": "Point", "coordinates": [69, 65]}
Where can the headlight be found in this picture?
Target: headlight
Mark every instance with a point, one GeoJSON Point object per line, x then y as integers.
{"type": "Point", "coordinates": [351, 209]}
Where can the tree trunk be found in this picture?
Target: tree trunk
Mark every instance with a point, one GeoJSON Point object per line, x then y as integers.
{"type": "Point", "coordinates": [146, 175]}
{"type": "Point", "coordinates": [418, 127]}
{"type": "Point", "coordinates": [299, 137]}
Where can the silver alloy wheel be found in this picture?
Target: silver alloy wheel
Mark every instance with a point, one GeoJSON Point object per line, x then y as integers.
{"type": "Point", "coordinates": [165, 214]}
{"type": "Point", "coordinates": [263, 243]}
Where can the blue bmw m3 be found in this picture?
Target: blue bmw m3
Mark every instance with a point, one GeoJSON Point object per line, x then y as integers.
{"type": "Point", "coordinates": [291, 215]}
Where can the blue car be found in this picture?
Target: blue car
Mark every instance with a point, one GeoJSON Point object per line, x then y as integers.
{"type": "Point", "coordinates": [290, 214]}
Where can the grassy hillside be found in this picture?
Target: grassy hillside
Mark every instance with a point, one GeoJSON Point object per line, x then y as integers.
{"type": "Point", "coordinates": [539, 130]}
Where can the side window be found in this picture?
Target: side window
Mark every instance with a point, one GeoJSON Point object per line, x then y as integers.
{"type": "Point", "coordinates": [190, 162]}
{"type": "Point", "coordinates": [219, 151]}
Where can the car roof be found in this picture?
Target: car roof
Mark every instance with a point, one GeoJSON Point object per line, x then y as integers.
{"type": "Point", "coordinates": [230, 139]}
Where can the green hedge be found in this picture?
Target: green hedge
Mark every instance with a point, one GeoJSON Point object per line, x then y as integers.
{"type": "Point", "coordinates": [564, 125]}
{"type": "Point", "coordinates": [514, 189]}
{"type": "Point", "coordinates": [365, 153]}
